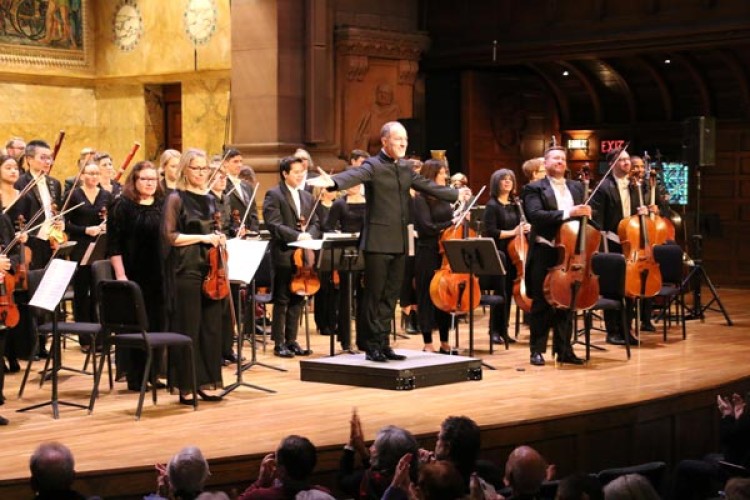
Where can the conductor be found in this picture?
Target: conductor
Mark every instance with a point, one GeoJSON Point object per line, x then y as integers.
{"type": "Point", "coordinates": [383, 240]}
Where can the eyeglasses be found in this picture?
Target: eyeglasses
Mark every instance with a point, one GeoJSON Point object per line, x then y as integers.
{"type": "Point", "coordinates": [199, 169]}
{"type": "Point", "coordinates": [148, 179]}
{"type": "Point", "coordinates": [91, 173]}
{"type": "Point", "coordinates": [44, 158]}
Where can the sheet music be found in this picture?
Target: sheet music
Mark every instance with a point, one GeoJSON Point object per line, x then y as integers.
{"type": "Point", "coordinates": [55, 281]}
{"type": "Point", "coordinates": [244, 257]}
{"type": "Point", "coordinates": [340, 236]}
{"type": "Point", "coordinates": [308, 244]}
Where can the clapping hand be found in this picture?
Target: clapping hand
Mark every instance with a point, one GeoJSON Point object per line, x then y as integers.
{"type": "Point", "coordinates": [356, 436]}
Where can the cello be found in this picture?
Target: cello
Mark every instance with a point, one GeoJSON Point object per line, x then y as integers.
{"type": "Point", "coordinates": [642, 274]}
{"type": "Point", "coordinates": [450, 291]}
{"type": "Point", "coordinates": [572, 284]}
{"type": "Point", "coordinates": [518, 249]}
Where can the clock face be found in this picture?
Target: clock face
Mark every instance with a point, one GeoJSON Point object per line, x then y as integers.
{"type": "Point", "coordinates": [200, 20]}
{"type": "Point", "coordinates": [127, 25]}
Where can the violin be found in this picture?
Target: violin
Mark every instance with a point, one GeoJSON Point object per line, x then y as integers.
{"type": "Point", "coordinates": [642, 274]}
{"type": "Point", "coordinates": [518, 249]}
{"type": "Point", "coordinates": [22, 269]}
{"type": "Point", "coordinates": [305, 281]}
{"type": "Point", "coordinates": [450, 291]}
{"type": "Point", "coordinates": [572, 284]}
{"type": "Point", "coordinates": [216, 283]}
{"type": "Point", "coordinates": [9, 314]}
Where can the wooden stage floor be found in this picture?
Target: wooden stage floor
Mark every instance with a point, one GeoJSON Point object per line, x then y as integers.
{"type": "Point", "coordinates": [633, 400]}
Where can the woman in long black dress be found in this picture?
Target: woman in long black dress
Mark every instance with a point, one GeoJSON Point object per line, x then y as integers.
{"type": "Point", "coordinates": [188, 233]}
{"type": "Point", "coordinates": [84, 225]}
{"type": "Point", "coordinates": [348, 216]}
{"type": "Point", "coordinates": [431, 217]}
{"type": "Point", "coordinates": [133, 247]}
{"type": "Point", "coordinates": [501, 223]}
{"type": "Point", "coordinates": [326, 298]}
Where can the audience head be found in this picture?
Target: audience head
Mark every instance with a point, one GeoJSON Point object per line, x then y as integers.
{"type": "Point", "coordinates": [188, 471]}
{"type": "Point", "coordinates": [52, 468]}
{"type": "Point", "coordinates": [296, 458]}
{"type": "Point", "coordinates": [630, 487]}
{"type": "Point", "coordinates": [580, 487]}
{"type": "Point", "coordinates": [459, 441]}
{"type": "Point", "coordinates": [525, 471]}
{"type": "Point", "coordinates": [737, 488]}
{"type": "Point", "coordinates": [212, 495]}
{"type": "Point", "coordinates": [439, 480]}
{"type": "Point", "coordinates": [391, 443]}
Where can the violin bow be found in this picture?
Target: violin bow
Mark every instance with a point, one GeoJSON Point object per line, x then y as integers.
{"type": "Point", "coordinates": [609, 172]}
{"type": "Point", "coordinates": [28, 187]}
{"type": "Point", "coordinates": [55, 217]}
{"type": "Point", "coordinates": [250, 203]}
{"type": "Point", "coordinates": [468, 208]}
{"type": "Point", "coordinates": [17, 237]}
{"type": "Point", "coordinates": [212, 178]}
{"type": "Point", "coordinates": [320, 197]}
{"type": "Point", "coordinates": [73, 187]}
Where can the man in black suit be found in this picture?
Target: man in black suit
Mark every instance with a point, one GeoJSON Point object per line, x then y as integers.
{"type": "Point", "coordinates": [616, 198]}
{"type": "Point", "coordinates": [387, 181]}
{"type": "Point", "coordinates": [549, 202]}
{"type": "Point", "coordinates": [283, 209]}
{"type": "Point", "coordinates": [46, 192]}
{"type": "Point", "coordinates": [240, 192]}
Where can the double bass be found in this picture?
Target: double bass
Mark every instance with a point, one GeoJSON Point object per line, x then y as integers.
{"type": "Point", "coordinates": [636, 233]}
{"type": "Point", "coordinates": [450, 291]}
{"type": "Point", "coordinates": [572, 284]}
{"type": "Point", "coordinates": [518, 249]}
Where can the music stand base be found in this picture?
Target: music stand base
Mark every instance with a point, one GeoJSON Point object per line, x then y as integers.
{"type": "Point", "coordinates": [55, 407]}
{"type": "Point", "coordinates": [697, 311]}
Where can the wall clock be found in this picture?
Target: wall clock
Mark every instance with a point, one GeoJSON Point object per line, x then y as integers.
{"type": "Point", "coordinates": [200, 20]}
{"type": "Point", "coordinates": [127, 25]}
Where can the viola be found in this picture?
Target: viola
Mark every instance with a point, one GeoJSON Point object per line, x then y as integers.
{"type": "Point", "coordinates": [518, 249]}
{"type": "Point", "coordinates": [305, 281]}
{"type": "Point", "coordinates": [572, 284]}
{"type": "Point", "coordinates": [216, 283]}
{"type": "Point", "coordinates": [9, 315]}
{"type": "Point", "coordinates": [642, 274]}
{"type": "Point", "coordinates": [22, 269]}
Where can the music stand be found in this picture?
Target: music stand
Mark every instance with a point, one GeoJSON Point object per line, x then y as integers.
{"type": "Point", "coordinates": [48, 295]}
{"type": "Point", "coordinates": [477, 257]}
{"type": "Point", "coordinates": [247, 255]}
{"type": "Point", "coordinates": [340, 252]}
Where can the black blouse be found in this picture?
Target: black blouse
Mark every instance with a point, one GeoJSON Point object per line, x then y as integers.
{"type": "Point", "coordinates": [499, 217]}
{"type": "Point", "coordinates": [346, 217]}
{"type": "Point", "coordinates": [187, 213]}
{"type": "Point", "coordinates": [431, 217]}
{"type": "Point", "coordinates": [88, 214]}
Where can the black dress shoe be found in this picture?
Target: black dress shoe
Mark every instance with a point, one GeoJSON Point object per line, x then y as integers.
{"type": "Point", "coordinates": [3, 420]}
{"type": "Point", "coordinates": [449, 352]}
{"type": "Point", "coordinates": [648, 327]}
{"type": "Point", "coordinates": [496, 338]}
{"type": "Point", "coordinates": [326, 330]}
{"type": "Point", "coordinates": [615, 339]}
{"type": "Point", "coordinates": [187, 401]}
{"type": "Point", "coordinates": [537, 359]}
{"type": "Point", "coordinates": [632, 340]}
{"type": "Point", "coordinates": [296, 349]}
{"type": "Point", "coordinates": [282, 352]}
{"type": "Point", "coordinates": [570, 358]}
{"type": "Point", "coordinates": [13, 366]}
{"type": "Point", "coordinates": [375, 355]}
{"type": "Point", "coordinates": [231, 357]}
{"type": "Point", "coordinates": [391, 354]}
{"type": "Point", "coordinates": [209, 397]}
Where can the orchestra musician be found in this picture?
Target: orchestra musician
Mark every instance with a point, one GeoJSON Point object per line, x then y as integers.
{"type": "Point", "coordinates": [106, 174]}
{"type": "Point", "coordinates": [348, 216]}
{"type": "Point", "coordinates": [615, 199]}
{"type": "Point", "coordinates": [188, 233]}
{"type": "Point", "coordinates": [548, 203]}
{"type": "Point", "coordinates": [286, 209]}
{"type": "Point", "coordinates": [327, 297]}
{"type": "Point", "coordinates": [431, 217]}
{"type": "Point", "coordinates": [169, 162]}
{"type": "Point", "coordinates": [84, 225]}
{"type": "Point", "coordinates": [387, 182]}
{"type": "Point", "coordinates": [534, 169]}
{"type": "Point", "coordinates": [502, 221]}
{"type": "Point", "coordinates": [133, 247]}
{"type": "Point", "coordinates": [240, 192]}
{"type": "Point", "coordinates": [407, 298]}
{"type": "Point", "coordinates": [7, 264]}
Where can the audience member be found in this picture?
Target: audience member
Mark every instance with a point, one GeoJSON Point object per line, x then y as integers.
{"type": "Point", "coordinates": [458, 442]}
{"type": "Point", "coordinates": [286, 473]}
{"type": "Point", "coordinates": [183, 478]}
{"type": "Point", "coordinates": [53, 472]}
{"type": "Point", "coordinates": [525, 471]}
{"type": "Point", "coordinates": [630, 487]}
{"type": "Point", "coordinates": [737, 488]}
{"type": "Point", "coordinates": [580, 487]}
{"type": "Point", "coordinates": [213, 495]}
{"type": "Point", "coordinates": [438, 480]}
{"type": "Point", "coordinates": [378, 462]}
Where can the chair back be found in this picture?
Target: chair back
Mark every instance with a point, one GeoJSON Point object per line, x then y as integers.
{"type": "Point", "coordinates": [122, 309]}
{"type": "Point", "coordinates": [669, 258]}
{"type": "Point", "coordinates": [610, 267]}
{"type": "Point", "coordinates": [100, 270]}
{"type": "Point", "coordinates": [653, 471]}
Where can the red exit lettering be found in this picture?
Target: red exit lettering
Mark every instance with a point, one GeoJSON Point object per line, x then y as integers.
{"type": "Point", "coordinates": [607, 146]}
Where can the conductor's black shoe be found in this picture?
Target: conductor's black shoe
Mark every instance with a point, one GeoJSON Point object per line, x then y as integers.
{"type": "Point", "coordinates": [570, 358]}
{"type": "Point", "coordinates": [537, 359]}
{"type": "Point", "coordinates": [648, 327]}
{"type": "Point", "coordinates": [296, 349]}
{"type": "Point", "coordinates": [496, 338]}
{"type": "Point", "coordinates": [391, 354]}
{"type": "Point", "coordinates": [375, 355]}
{"type": "Point", "coordinates": [615, 339]}
{"type": "Point", "coordinates": [282, 352]}
{"type": "Point", "coordinates": [326, 330]}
